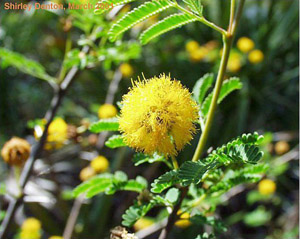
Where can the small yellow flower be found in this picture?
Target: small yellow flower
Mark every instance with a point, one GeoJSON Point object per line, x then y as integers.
{"type": "Point", "coordinates": [282, 147]}
{"type": "Point", "coordinates": [100, 164]}
{"type": "Point", "coordinates": [234, 62]}
{"type": "Point", "coordinates": [199, 54]}
{"type": "Point", "coordinates": [15, 151]}
{"type": "Point", "coordinates": [245, 44]}
{"type": "Point", "coordinates": [86, 173]}
{"type": "Point", "coordinates": [126, 70]}
{"type": "Point", "coordinates": [184, 221]}
{"type": "Point", "coordinates": [256, 56]}
{"type": "Point", "coordinates": [143, 223]}
{"type": "Point", "coordinates": [158, 116]}
{"type": "Point", "coordinates": [31, 224]}
{"type": "Point", "coordinates": [56, 237]}
{"type": "Point", "coordinates": [191, 46]}
{"type": "Point", "coordinates": [107, 111]}
{"type": "Point", "coordinates": [57, 133]}
{"type": "Point", "coordinates": [266, 187]}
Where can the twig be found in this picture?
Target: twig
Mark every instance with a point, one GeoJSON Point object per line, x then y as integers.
{"type": "Point", "coordinates": [113, 87]}
{"type": "Point", "coordinates": [73, 217]}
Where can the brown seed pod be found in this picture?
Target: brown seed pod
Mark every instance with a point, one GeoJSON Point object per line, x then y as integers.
{"type": "Point", "coordinates": [15, 151]}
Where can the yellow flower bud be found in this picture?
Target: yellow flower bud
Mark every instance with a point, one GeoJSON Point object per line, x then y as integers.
{"type": "Point", "coordinates": [31, 224]}
{"type": "Point", "coordinates": [86, 173]}
{"type": "Point", "coordinates": [142, 223]}
{"type": "Point", "coordinates": [126, 70]}
{"type": "Point", "coordinates": [234, 63]}
{"type": "Point", "coordinates": [100, 164]}
{"type": "Point", "coordinates": [15, 151]}
{"type": "Point", "coordinates": [256, 56]}
{"type": "Point", "coordinates": [107, 111]}
{"type": "Point", "coordinates": [266, 187]}
{"type": "Point", "coordinates": [282, 147]}
{"type": "Point", "coordinates": [57, 133]}
{"type": "Point", "coordinates": [56, 237]}
{"type": "Point", "coordinates": [184, 221]}
{"type": "Point", "coordinates": [191, 46]}
{"type": "Point", "coordinates": [245, 44]}
{"type": "Point", "coordinates": [199, 54]}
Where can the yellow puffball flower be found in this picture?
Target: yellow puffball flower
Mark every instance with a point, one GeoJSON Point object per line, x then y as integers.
{"type": "Point", "coordinates": [266, 187]}
{"type": "Point", "coordinates": [143, 223]}
{"type": "Point", "coordinates": [256, 56]}
{"type": "Point", "coordinates": [31, 224]}
{"type": "Point", "coordinates": [245, 44]}
{"type": "Point", "coordinates": [126, 70]}
{"type": "Point", "coordinates": [107, 111]}
{"type": "Point", "coordinates": [282, 147]}
{"type": "Point", "coordinates": [100, 164]}
{"type": "Point", "coordinates": [191, 46]}
{"type": "Point", "coordinates": [86, 173]}
{"type": "Point", "coordinates": [234, 62]}
{"type": "Point", "coordinates": [16, 151]}
{"type": "Point", "coordinates": [56, 237]}
{"type": "Point", "coordinates": [158, 116]}
{"type": "Point", "coordinates": [199, 54]}
{"type": "Point", "coordinates": [30, 234]}
{"type": "Point", "coordinates": [184, 221]}
{"type": "Point", "coordinates": [57, 133]}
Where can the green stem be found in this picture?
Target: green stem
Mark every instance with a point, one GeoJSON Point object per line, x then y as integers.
{"type": "Point", "coordinates": [175, 163]}
{"type": "Point", "coordinates": [232, 8]}
{"type": "Point", "coordinates": [227, 40]}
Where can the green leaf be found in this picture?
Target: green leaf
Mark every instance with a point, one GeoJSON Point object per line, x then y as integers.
{"type": "Point", "coordinates": [115, 141]}
{"type": "Point", "coordinates": [133, 185]}
{"type": "Point", "coordinates": [167, 24]}
{"type": "Point", "coordinates": [225, 185]}
{"type": "Point", "coordinates": [228, 86]}
{"type": "Point", "coordinates": [113, 3]}
{"type": "Point", "coordinates": [134, 213]}
{"type": "Point", "coordinates": [24, 64]}
{"type": "Point", "coordinates": [110, 183]}
{"type": "Point", "coordinates": [140, 158]}
{"type": "Point", "coordinates": [258, 217]}
{"type": "Point", "coordinates": [105, 125]}
{"type": "Point", "coordinates": [200, 219]}
{"type": "Point", "coordinates": [172, 195]}
{"type": "Point", "coordinates": [195, 6]}
{"type": "Point", "coordinates": [137, 15]}
{"type": "Point", "coordinates": [243, 150]}
{"type": "Point", "coordinates": [83, 187]}
{"type": "Point", "coordinates": [201, 87]}
{"type": "Point", "coordinates": [164, 181]}
{"type": "Point", "coordinates": [193, 172]}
